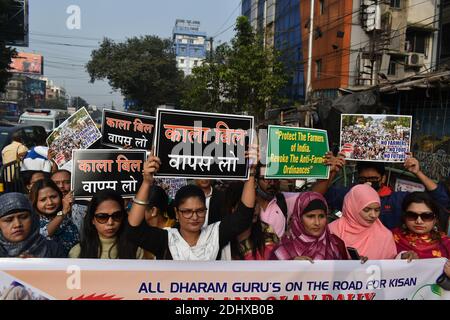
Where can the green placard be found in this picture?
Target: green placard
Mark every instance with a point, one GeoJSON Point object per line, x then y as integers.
{"type": "Point", "coordinates": [296, 153]}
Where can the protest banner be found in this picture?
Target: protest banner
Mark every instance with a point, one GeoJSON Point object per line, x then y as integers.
{"type": "Point", "coordinates": [84, 279]}
{"type": "Point", "coordinates": [375, 137]}
{"type": "Point", "coordinates": [120, 129]}
{"type": "Point", "coordinates": [408, 186]}
{"type": "Point", "coordinates": [79, 131]}
{"type": "Point", "coordinates": [97, 170]}
{"type": "Point", "coordinates": [295, 153]}
{"type": "Point", "coordinates": [202, 145]}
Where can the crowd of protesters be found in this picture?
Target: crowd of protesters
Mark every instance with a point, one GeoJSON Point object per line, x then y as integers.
{"type": "Point", "coordinates": [371, 140]}
{"type": "Point", "coordinates": [246, 220]}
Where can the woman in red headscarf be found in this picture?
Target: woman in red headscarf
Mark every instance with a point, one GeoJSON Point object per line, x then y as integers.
{"type": "Point", "coordinates": [360, 227]}
{"type": "Point", "coordinates": [308, 236]}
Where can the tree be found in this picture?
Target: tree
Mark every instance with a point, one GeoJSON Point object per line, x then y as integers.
{"type": "Point", "coordinates": [6, 53]}
{"type": "Point", "coordinates": [79, 102]}
{"type": "Point", "coordinates": [242, 77]}
{"type": "Point", "coordinates": [143, 69]}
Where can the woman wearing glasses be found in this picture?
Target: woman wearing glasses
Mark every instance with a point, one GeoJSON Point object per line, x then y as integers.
{"type": "Point", "coordinates": [188, 241]}
{"type": "Point", "coordinates": [419, 236]}
{"type": "Point", "coordinates": [104, 232]}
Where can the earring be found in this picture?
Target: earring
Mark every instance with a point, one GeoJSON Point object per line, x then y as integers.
{"type": "Point", "coordinates": [435, 228]}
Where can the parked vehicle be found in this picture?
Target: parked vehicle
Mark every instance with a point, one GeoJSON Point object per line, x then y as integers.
{"type": "Point", "coordinates": [49, 119]}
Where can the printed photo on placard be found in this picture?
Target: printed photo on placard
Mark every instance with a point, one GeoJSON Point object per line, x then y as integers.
{"type": "Point", "coordinates": [202, 145]}
{"type": "Point", "coordinates": [77, 132]}
{"type": "Point", "coordinates": [375, 137]}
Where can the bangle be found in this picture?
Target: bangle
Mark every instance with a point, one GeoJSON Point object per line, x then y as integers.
{"type": "Point", "coordinates": [142, 203]}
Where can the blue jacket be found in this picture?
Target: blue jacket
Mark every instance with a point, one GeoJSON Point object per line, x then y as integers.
{"type": "Point", "coordinates": [391, 205]}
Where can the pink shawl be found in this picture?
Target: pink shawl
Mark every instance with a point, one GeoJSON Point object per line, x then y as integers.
{"type": "Point", "coordinates": [295, 242]}
{"type": "Point", "coordinates": [374, 241]}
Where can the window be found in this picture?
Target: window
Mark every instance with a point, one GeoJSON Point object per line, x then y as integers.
{"type": "Point", "coordinates": [392, 70]}
{"type": "Point", "coordinates": [417, 41]}
{"type": "Point", "coordinates": [322, 7]}
{"type": "Point", "coordinates": [318, 68]}
{"type": "Point", "coordinates": [195, 63]}
{"type": "Point", "coordinates": [181, 61]}
{"type": "Point", "coordinates": [396, 4]}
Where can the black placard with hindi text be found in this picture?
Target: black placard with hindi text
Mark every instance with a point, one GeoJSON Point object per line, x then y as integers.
{"type": "Point", "coordinates": [120, 129]}
{"type": "Point", "coordinates": [202, 145]}
{"type": "Point", "coordinates": [101, 169]}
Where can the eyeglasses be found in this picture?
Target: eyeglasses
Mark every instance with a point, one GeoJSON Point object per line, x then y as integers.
{"type": "Point", "coordinates": [368, 179]}
{"type": "Point", "coordinates": [188, 213]}
{"type": "Point", "coordinates": [103, 218]}
{"type": "Point", "coordinates": [425, 216]}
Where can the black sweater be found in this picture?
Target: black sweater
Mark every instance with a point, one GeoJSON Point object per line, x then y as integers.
{"type": "Point", "coordinates": [156, 240]}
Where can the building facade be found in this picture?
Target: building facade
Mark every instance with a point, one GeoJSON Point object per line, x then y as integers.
{"type": "Point", "coordinates": [278, 24]}
{"type": "Point", "coordinates": [358, 44]}
{"type": "Point", "coordinates": [190, 45]}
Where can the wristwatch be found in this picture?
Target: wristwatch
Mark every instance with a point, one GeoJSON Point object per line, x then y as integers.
{"type": "Point", "coordinates": [60, 213]}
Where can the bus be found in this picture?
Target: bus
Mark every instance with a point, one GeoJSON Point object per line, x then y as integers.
{"type": "Point", "coordinates": [49, 119]}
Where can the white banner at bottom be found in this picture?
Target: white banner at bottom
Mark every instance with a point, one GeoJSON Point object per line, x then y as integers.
{"type": "Point", "coordinates": [85, 279]}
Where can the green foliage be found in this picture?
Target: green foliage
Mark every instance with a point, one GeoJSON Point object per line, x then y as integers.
{"type": "Point", "coordinates": [79, 102]}
{"type": "Point", "coordinates": [6, 53]}
{"type": "Point", "coordinates": [243, 77]}
{"type": "Point", "coordinates": [143, 69]}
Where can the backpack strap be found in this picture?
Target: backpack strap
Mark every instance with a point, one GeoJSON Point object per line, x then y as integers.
{"type": "Point", "coordinates": [281, 202]}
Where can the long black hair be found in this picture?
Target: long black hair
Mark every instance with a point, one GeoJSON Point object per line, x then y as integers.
{"type": "Point", "coordinates": [90, 241]}
{"type": "Point", "coordinates": [257, 237]}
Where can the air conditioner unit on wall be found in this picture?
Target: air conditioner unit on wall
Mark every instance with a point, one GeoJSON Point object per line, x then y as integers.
{"type": "Point", "coordinates": [415, 59]}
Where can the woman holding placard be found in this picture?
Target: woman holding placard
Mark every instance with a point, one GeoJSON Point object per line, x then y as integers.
{"type": "Point", "coordinates": [189, 241]}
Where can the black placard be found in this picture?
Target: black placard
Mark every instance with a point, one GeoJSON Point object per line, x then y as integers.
{"type": "Point", "coordinates": [122, 128]}
{"type": "Point", "coordinates": [97, 170]}
{"type": "Point", "coordinates": [202, 145]}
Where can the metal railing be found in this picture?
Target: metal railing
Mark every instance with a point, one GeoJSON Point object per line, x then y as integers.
{"type": "Point", "coordinates": [10, 179]}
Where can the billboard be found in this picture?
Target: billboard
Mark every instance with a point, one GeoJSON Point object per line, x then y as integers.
{"type": "Point", "coordinates": [15, 24]}
{"type": "Point", "coordinates": [28, 63]}
{"type": "Point", "coordinates": [35, 87]}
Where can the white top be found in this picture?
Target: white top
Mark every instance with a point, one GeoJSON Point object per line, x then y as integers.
{"type": "Point", "coordinates": [206, 249]}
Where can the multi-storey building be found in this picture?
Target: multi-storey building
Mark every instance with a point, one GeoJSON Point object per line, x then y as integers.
{"type": "Point", "coordinates": [278, 24]}
{"type": "Point", "coordinates": [190, 45]}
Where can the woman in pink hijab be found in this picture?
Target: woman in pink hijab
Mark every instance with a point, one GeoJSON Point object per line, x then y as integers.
{"type": "Point", "coordinates": [360, 227]}
{"type": "Point", "coordinates": [308, 236]}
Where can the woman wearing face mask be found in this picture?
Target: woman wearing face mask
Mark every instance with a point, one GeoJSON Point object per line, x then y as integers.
{"type": "Point", "coordinates": [308, 236]}
{"type": "Point", "coordinates": [104, 233]}
{"type": "Point", "coordinates": [359, 226]}
{"type": "Point", "coordinates": [19, 230]}
{"type": "Point", "coordinates": [55, 222]}
{"type": "Point", "coordinates": [190, 241]}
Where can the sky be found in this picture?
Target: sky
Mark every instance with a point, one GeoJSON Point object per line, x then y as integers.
{"type": "Point", "coordinates": [66, 50]}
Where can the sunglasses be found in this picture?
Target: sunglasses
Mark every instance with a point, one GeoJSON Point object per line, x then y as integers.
{"type": "Point", "coordinates": [425, 216]}
{"type": "Point", "coordinates": [103, 218]}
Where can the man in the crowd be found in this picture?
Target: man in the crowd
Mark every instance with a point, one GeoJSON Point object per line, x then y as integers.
{"type": "Point", "coordinates": [275, 206]}
{"type": "Point", "coordinates": [62, 180]}
{"type": "Point", "coordinates": [36, 159]}
{"type": "Point", "coordinates": [14, 151]}
{"type": "Point", "coordinates": [214, 201]}
{"type": "Point", "coordinates": [374, 173]}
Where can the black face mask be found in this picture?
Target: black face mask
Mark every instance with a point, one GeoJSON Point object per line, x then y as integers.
{"type": "Point", "coordinates": [376, 185]}
{"type": "Point", "coordinates": [264, 195]}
